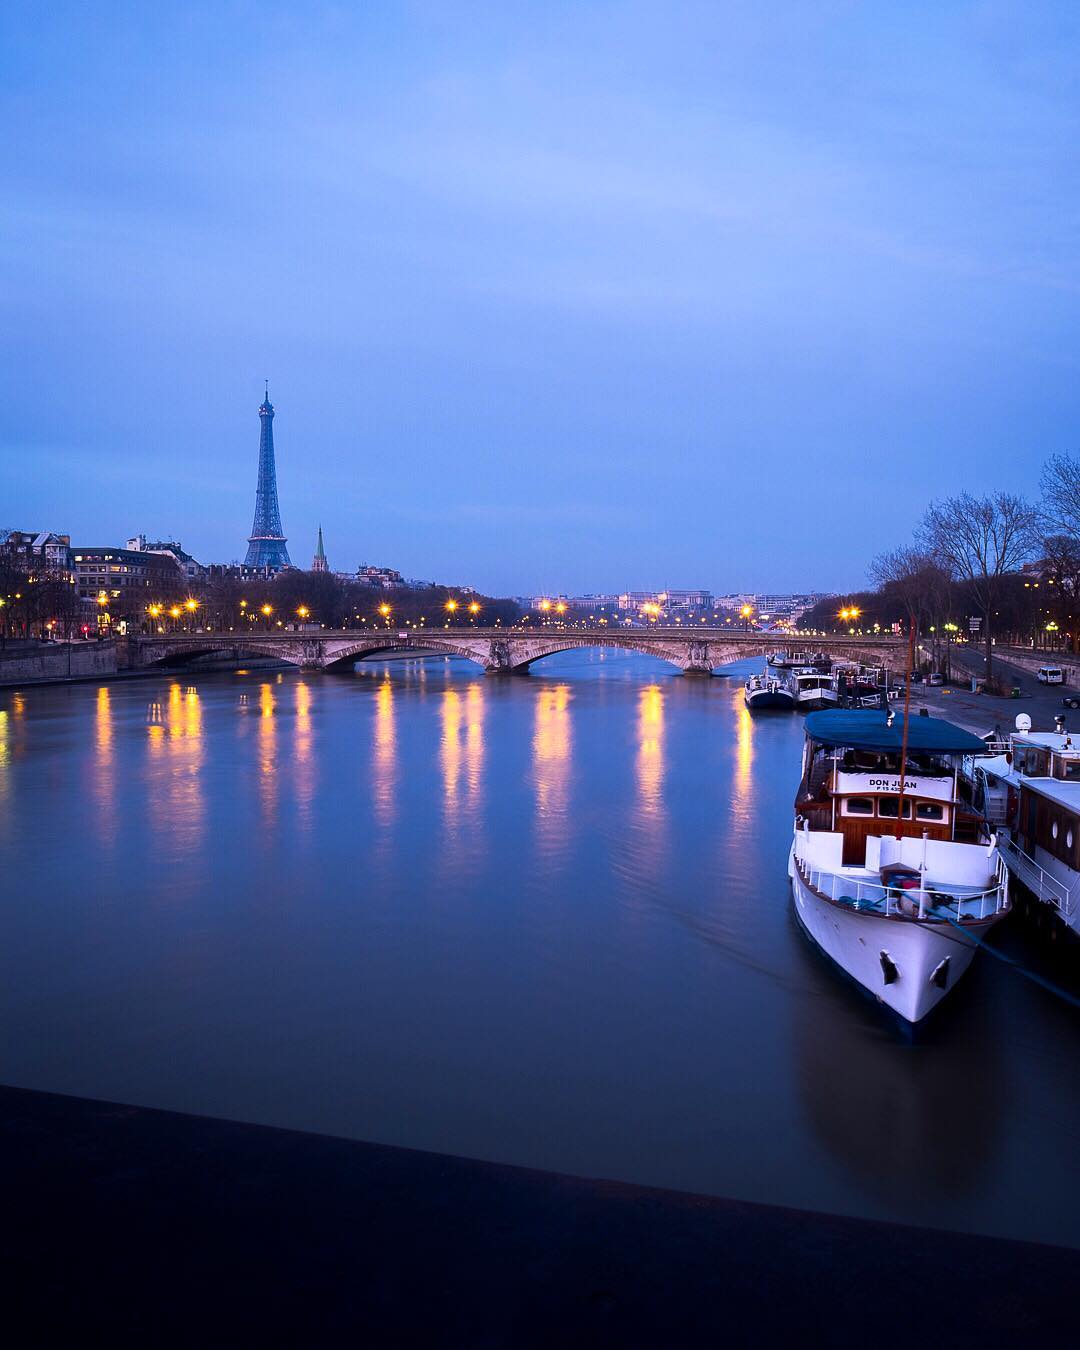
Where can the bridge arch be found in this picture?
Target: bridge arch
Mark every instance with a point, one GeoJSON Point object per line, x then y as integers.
{"type": "Point", "coordinates": [581, 642]}
{"type": "Point", "coordinates": [348, 654]}
{"type": "Point", "coordinates": [179, 653]}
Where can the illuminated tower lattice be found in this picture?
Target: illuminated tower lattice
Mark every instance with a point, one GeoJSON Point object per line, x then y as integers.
{"type": "Point", "coordinates": [266, 543]}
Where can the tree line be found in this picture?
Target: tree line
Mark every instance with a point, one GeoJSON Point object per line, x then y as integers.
{"type": "Point", "coordinates": [965, 563]}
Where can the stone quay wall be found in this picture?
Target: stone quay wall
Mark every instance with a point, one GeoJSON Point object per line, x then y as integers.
{"type": "Point", "coordinates": [51, 661]}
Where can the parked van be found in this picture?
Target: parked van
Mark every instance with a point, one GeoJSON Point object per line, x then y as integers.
{"type": "Point", "coordinates": [1050, 675]}
{"type": "Point", "coordinates": [936, 678]}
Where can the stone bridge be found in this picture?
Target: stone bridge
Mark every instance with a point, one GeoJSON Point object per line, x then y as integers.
{"type": "Point", "coordinates": [505, 651]}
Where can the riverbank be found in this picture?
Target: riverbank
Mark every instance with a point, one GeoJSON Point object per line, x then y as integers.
{"type": "Point", "coordinates": [150, 1227]}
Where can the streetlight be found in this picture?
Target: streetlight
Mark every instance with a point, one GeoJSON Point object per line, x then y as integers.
{"type": "Point", "coordinates": [560, 607]}
{"type": "Point", "coordinates": [384, 610]}
{"type": "Point", "coordinates": [474, 609]}
{"type": "Point", "coordinates": [266, 611]}
{"type": "Point", "coordinates": [746, 611]}
{"type": "Point", "coordinates": [302, 611]}
{"type": "Point", "coordinates": [451, 605]}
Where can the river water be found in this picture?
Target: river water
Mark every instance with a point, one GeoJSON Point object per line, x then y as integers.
{"type": "Point", "coordinates": [536, 920]}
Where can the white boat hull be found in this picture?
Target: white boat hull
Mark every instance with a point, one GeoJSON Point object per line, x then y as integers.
{"type": "Point", "coordinates": [856, 941]}
{"type": "Point", "coordinates": [810, 700]}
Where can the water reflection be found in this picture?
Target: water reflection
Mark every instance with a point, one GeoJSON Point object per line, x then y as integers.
{"type": "Point", "coordinates": [743, 781]}
{"type": "Point", "coordinates": [268, 785]}
{"type": "Point", "coordinates": [552, 744]}
{"type": "Point", "coordinates": [384, 776]}
{"type": "Point", "coordinates": [907, 1122]}
{"type": "Point", "coordinates": [175, 750]}
{"type": "Point", "coordinates": [461, 754]}
{"type": "Point", "coordinates": [303, 760]}
{"type": "Point", "coordinates": [104, 768]}
{"type": "Point", "coordinates": [650, 756]}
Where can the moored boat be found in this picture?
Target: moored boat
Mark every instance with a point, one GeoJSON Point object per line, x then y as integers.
{"type": "Point", "coordinates": [814, 689]}
{"type": "Point", "coordinates": [767, 691]}
{"type": "Point", "coordinates": [892, 874]}
{"type": "Point", "coordinates": [1030, 788]}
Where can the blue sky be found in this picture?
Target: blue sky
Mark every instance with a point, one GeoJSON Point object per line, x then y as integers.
{"type": "Point", "coordinates": [560, 296]}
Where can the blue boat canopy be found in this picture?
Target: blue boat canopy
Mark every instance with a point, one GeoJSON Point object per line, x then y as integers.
{"type": "Point", "coordinates": [869, 729]}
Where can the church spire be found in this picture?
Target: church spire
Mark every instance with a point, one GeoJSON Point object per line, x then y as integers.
{"type": "Point", "coordinates": [319, 563]}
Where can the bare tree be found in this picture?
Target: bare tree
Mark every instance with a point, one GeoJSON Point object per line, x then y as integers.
{"type": "Point", "coordinates": [1061, 494]}
{"type": "Point", "coordinates": [979, 540]}
{"type": "Point", "coordinates": [914, 577]}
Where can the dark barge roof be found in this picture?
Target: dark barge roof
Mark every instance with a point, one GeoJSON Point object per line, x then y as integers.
{"type": "Point", "coordinates": [869, 729]}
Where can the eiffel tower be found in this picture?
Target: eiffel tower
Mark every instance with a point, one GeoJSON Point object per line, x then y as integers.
{"type": "Point", "coordinates": [266, 543]}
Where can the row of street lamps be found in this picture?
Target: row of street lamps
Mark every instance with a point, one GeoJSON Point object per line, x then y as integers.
{"type": "Point", "coordinates": [158, 612]}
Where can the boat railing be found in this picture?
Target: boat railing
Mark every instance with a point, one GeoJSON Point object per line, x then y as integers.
{"type": "Point", "coordinates": [931, 900]}
{"type": "Point", "coordinates": [1042, 883]}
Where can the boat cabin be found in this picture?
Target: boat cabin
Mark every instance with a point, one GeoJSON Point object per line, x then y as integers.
{"type": "Point", "coordinates": [851, 783]}
{"type": "Point", "coordinates": [1046, 775]}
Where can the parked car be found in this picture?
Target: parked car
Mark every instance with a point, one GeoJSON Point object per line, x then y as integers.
{"type": "Point", "coordinates": [935, 678]}
{"type": "Point", "coordinates": [1071, 701]}
{"type": "Point", "coordinates": [1050, 675]}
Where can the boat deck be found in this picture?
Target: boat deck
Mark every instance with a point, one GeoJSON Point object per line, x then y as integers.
{"type": "Point", "coordinates": [861, 889]}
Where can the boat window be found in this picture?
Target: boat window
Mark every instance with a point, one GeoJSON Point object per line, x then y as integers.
{"type": "Point", "coordinates": [929, 811]}
{"type": "Point", "coordinates": [1032, 761]}
{"type": "Point", "coordinates": [1053, 830]}
{"type": "Point", "coordinates": [888, 807]}
{"type": "Point", "coordinates": [1068, 839]}
{"type": "Point", "coordinates": [1070, 770]}
{"type": "Point", "coordinates": [858, 806]}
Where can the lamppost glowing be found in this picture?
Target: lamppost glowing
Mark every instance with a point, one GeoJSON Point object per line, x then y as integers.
{"type": "Point", "coordinates": [746, 612]}
{"type": "Point", "coordinates": [266, 611]}
{"type": "Point", "coordinates": [560, 607]}
{"type": "Point", "coordinates": [384, 610]}
{"type": "Point", "coordinates": [302, 611]}
{"type": "Point", "coordinates": [474, 610]}
{"type": "Point", "coordinates": [451, 605]}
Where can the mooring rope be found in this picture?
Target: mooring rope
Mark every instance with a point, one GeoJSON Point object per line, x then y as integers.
{"type": "Point", "coordinates": [1018, 966]}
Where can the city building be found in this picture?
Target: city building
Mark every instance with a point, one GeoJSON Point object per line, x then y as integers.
{"type": "Point", "coordinates": [773, 605]}
{"type": "Point", "coordinates": [665, 601]}
{"type": "Point", "coordinates": [386, 577]}
{"type": "Point", "coordinates": [170, 548]}
{"type": "Point", "coordinates": [319, 563]}
{"type": "Point", "coordinates": [37, 551]}
{"type": "Point", "coordinates": [126, 580]}
{"type": "Point", "coordinates": [266, 543]}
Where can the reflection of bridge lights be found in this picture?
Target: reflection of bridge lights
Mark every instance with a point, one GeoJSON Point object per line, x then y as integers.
{"type": "Point", "coordinates": [650, 760]}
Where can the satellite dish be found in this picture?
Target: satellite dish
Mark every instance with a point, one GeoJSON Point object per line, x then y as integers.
{"type": "Point", "coordinates": [1023, 722]}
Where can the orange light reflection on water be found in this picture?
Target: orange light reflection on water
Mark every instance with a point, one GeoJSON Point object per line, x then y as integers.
{"type": "Point", "coordinates": [552, 750]}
